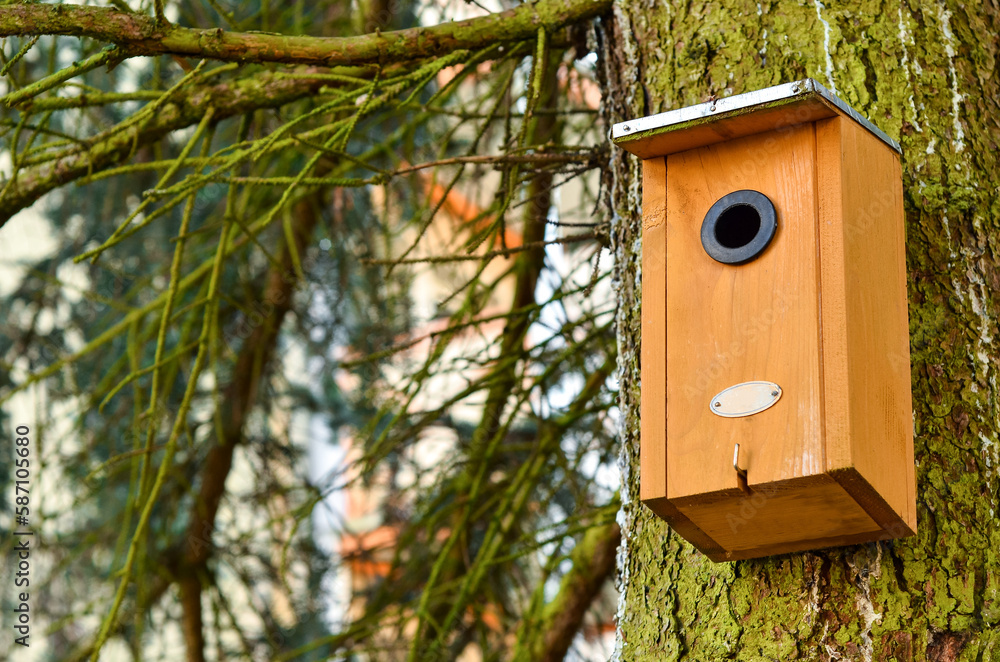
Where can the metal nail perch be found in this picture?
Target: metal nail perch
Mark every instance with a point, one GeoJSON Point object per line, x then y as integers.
{"type": "Point", "coordinates": [741, 474]}
{"type": "Point", "coordinates": [736, 462]}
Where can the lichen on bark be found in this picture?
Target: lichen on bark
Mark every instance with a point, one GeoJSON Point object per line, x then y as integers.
{"type": "Point", "coordinates": [925, 73]}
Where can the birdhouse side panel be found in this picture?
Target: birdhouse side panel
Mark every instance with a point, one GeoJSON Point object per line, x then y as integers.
{"type": "Point", "coordinates": [869, 424]}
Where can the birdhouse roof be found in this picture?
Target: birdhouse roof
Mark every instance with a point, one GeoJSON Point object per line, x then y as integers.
{"type": "Point", "coordinates": [736, 116]}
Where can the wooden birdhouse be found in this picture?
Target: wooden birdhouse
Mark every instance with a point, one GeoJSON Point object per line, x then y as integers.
{"type": "Point", "coordinates": [776, 413]}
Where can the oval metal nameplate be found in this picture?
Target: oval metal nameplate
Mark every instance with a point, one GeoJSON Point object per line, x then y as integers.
{"type": "Point", "coordinates": [745, 399]}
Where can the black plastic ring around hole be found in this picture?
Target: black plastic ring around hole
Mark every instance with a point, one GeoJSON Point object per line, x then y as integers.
{"type": "Point", "coordinates": [738, 227]}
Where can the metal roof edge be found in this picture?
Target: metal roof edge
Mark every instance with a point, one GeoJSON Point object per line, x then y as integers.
{"type": "Point", "coordinates": [742, 103]}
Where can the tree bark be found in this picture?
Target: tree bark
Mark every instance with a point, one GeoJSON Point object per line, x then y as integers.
{"type": "Point", "coordinates": [924, 73]}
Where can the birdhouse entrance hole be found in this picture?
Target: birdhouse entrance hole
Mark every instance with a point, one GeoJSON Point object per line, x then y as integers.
{"type": "Point", "coordinates": [738, 227]}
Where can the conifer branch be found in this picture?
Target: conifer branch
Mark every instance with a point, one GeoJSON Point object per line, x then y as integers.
{"type": "Point", "coordinates": [264, 90]}
{"type": "Point", "coordinates": [593, 561]}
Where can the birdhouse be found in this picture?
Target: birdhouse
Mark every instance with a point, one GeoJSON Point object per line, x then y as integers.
{"type": "Point", "coordinates": [776, 413]}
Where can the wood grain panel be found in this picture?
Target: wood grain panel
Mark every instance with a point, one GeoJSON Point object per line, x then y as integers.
{"type": "Point", "coordinates": [833, 274]}
{"type": "Point", "coordinates": [797, 546]}
{"type": "Point", "coordinates": [730, 324]}
{"type": "Point", "coordinates": [810, 508]}
{"type": "Point", "coordinates": [869, 425]}
{"type": "Point", "coordinates": [653, 355]}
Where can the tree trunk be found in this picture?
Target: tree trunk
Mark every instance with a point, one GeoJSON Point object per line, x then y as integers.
{"type": "Point", "coordinates": [926, 74]}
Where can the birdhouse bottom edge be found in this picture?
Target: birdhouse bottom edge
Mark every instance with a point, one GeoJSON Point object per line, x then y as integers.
{"type": "Point", "coordinates": [794, 515]}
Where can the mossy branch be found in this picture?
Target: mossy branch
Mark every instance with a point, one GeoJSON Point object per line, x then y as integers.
{"type": "Point", "coordinates": [109, 55]}
{"type": "Point", "coordinates": [547, 634]}
{"type": "Point", "coordinates": [139, 34]}
{"type": "Point", "coordinates": [264, 90]}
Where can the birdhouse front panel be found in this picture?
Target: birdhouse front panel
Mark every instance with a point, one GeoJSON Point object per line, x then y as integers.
{"type": "Point", "coordinates": [775, 369]}
{"type": "Point", "coordinates": [729, 324]}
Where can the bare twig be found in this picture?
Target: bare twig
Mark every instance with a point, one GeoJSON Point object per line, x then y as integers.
{"type": "Point", "coordinates": [538, 159]}
{"type": "Point", "coordinates": [489, 255]}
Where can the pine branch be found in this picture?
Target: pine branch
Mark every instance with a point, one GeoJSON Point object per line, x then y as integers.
{"type": "Point", "coordinates": [436, 619]}
{"type": "Point", "coordinates": [593, 563]}
{"type": "Point", "coordinates": [539, 159]}
{"type": "Point", "coordinates": [230, 98]}
{"type": "Point", "coordinates": [108, 56]}
{"type": "Point", "coordinates": [139, 34]}
{"type": "Point", "coordinates": [238, 400]}
{"type": "Point", "coordinates": [191, 619]}
{"type": "Point", "coordinates": [240, 397]}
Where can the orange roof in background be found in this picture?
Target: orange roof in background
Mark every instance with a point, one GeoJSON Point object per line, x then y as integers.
{"type": "Point", "coordinates": [464, 211]}
{"type": "Point", "coordinates": [578, 89]}
{"type": "Point", "coordinates": [356, 543]}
